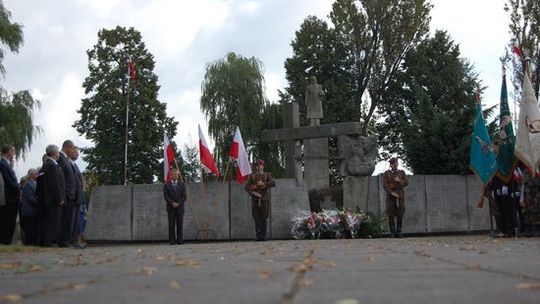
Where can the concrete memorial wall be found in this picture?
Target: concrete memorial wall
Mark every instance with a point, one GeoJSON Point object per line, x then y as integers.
{"type": "Point", "coordinates": [287, 199]}
{"type": "Point", "coordinates": [109, 216]}
{"type": "Point", "coordinates": [434, 203]}
{"type": "Point", "coordinates": [415, 219]}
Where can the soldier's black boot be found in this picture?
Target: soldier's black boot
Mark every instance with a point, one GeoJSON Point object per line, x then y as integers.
{"type": "Point", "coordinates": [399, 224]}
{"type": "Point", "coordinates": [392, 225]}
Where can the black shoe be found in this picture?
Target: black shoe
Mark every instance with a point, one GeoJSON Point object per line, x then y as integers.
{"type": "Point", "coordinates": [172, 243]}
{"type": "Point", "coordinates": [399, 235]}
{"type": "Point", "coordinates": [179, 242]}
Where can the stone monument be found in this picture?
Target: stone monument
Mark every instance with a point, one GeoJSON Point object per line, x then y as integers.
{"type": "Point", "coordinates": [316, 167]}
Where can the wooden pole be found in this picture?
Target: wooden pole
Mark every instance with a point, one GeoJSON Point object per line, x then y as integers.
{"type": "Point", "coordinates": [226, 169]}
{"type": "Point", "coordinates": [188, 199]}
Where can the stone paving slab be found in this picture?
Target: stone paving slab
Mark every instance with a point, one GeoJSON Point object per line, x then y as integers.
{"type": "Point", "coordinates": [452, 269]}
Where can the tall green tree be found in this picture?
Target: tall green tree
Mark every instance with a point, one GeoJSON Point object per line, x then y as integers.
{"type": "Point", "coordinates": [525, 32]}
{"type": "Point", "coordinates": [191, 168]}
{"type": "Point", "coordinates": [102, 113]}
{"type": "Point", "coordinates": [16, 122]}
{"type": "Point", "coordinates": [233, 95]}
{"type": "Point", "coordinates": [11, 35]}
{"type": "Point", "coordinates": [356, 57]}
{"type": "Point", "coordinates": [431, 108]}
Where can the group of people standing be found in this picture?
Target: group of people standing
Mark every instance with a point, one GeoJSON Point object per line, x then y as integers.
{"type": "Point", "coordinates": [257, 186]}
{"type": "Point", "coordinates": [514, 202]}
{"type": "Point", "coordinates": [50, 200]}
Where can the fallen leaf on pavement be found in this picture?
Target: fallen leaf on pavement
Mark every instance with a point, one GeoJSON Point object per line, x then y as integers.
{"type": "Point", "coordinates": [11, 265]}
{"type": "Point", "coordinates": [466, 247]}
{"type": "Point", "coordinates": [331, 264]}
{"type": "Point", "coordinates": [265, 273]}
{"type": "Point", "coordinates": [300, 268]}
{"type": "Point", "coordinates": [12, 297]}
{"type": "Point", "coordinates": [422, 253]}
{"type": "Point", "coordinates": [149, 270]}
{"type": "Point", "coordinates": [370, 259]}
{"type": "Point", "coordinates": [76, 286]}
{"type": "Point", "coordinates": [475, 266]}
{"type": "Point", "coordinates": [36, 268]}
{"type": "Point", "coordinates": [174, 285]}
{"type": "Point", "coordinates": [347, 301]}
{"type": "Point", "coordinates": [310, 261]}
{"type": "Point", "coordinates": [528, 286]}
{"type": "Point", "coordinates": [306, 282]}
{"type": "Point", "coordinates": [482, 252]}
{"type": "Point", "coordinates": [187, 263]}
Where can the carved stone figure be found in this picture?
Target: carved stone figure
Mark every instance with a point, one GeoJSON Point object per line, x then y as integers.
{"type": "Point", "coordinates": [358, 155]}
{"type": "Point", "coordinates": [314, 94]}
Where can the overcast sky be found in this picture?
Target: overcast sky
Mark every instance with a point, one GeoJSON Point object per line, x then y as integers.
{"type": "Point", "coordinates": [184, 36]}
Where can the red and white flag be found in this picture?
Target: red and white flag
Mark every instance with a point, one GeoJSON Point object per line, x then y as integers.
{"type": "Point", "coordinates": [131, 69]}
{"type": "Point", "coordinates": [168, 157]}
{"type": "Point", "coordinates": [238, 152]}
{"type": "Point", "coordinates": [207, 160]}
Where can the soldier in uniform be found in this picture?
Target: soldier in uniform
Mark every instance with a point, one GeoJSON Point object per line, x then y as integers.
{"type": "Point", "coordinates": [394, 181]}
{"type": "Point", "coordinates": [258, 186]}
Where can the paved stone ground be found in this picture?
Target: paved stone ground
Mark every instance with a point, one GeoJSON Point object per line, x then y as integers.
{"type": "Point", "coordinates": [455, 269]}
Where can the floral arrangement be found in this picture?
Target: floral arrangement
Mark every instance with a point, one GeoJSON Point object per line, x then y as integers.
{"type": "Point", "coordinates": [331, 223]}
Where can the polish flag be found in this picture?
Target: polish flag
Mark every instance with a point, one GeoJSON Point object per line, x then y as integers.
{"type": "Point", "coordinates": [131, 69]}
{"type": "Point", "coordinates": [517, 50]}
{"type": "Point", "coordinates": [238, 153]}
{"type": "Point", "coordinates": [168, 157]}
{"type": "Point", "coordinates": [207, 160]}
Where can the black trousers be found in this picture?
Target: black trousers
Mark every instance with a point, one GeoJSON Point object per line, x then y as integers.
{"type": "Point", "coordinates": [30, 225]}
{"type": "Point", "coordinates": [8, 220]}
{"type": "Point", "coordinates": [260, 210]}
{"type": "Point", "coordinates": [176, 218]}
{"type": "Point", "coordinates": [52, 223]}
{"type": "Point", "coordinates": [68, 232]}
{"type": "Point", "coordinates": [507, 209]}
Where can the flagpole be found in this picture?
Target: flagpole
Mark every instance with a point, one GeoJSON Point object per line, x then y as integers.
{"type": "Point", "coordinates": [202, 200]}
{"type": "Point", "coordinates": [226, 169]}
{"type": "Point", "coordinates": [197, 223]}
{"type": "Point", "coordinates": [127, 133]}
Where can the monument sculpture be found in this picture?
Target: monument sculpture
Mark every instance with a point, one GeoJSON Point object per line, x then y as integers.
{"type": "Point", "coordinates": [314, 95]}
{"type": "Point", "coordinates": [358, 155]}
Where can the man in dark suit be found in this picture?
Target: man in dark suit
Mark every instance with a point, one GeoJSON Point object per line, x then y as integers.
{"type": "Point", "coordinates": [174, 192]}
{"type": "Point", "coordinates": [8, 212]}
{"type": "Point", "coordinates": [70, 208]}
{"type": "Point", "coordinates": [51, 195]}
{"type": "Point", "coordinates": [78, 198]}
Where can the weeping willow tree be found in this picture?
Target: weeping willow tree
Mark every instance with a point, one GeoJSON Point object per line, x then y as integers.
{"type": "Point", "coordinates": [16, 124]}
{"type": "Point", "coordinates": [16, 109]}
{"type": "Point", "coordinates": [233, 95]}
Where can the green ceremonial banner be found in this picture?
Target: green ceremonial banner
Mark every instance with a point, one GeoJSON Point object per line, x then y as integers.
{"type": "Point", "coordinates": [483, 158]}
{"type": "Point", "coordinates": [505, 157]}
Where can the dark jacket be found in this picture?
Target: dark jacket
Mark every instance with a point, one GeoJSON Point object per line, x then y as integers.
{"type": "Point", "coordinates": [30, 201]}
{"type": "Point", "coordinates": [2, 192]}
{"type": "Point", "coordinates": [390, 185]}
{"type": "Point", "coordinates": [69, 179]}
{"type": "Point", "coordinates": [11, 185]}
{"type": "Point", "coordinates": [78, 184]}
{"type": "Point", "coordinates": [173, 194]}
{"type": "Point", "coordinates": [51, 187]}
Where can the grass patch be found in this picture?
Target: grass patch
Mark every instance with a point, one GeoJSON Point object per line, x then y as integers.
{"type": "Point", "coordinates": [20, 248]}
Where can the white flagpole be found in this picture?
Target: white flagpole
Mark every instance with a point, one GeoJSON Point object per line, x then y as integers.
{"type": "Point", "coordinates": [127, 127]}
